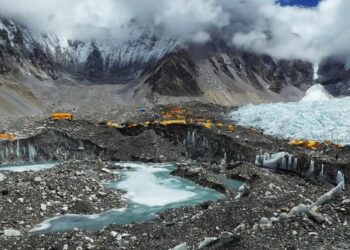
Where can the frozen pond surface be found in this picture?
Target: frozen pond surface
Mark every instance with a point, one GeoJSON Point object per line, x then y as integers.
{"type": "Point", "coordinates": [28, 167]}
{"type": "Point", "coordinates": [150, 189]}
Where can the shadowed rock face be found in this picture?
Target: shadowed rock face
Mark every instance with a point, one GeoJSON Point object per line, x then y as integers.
{"type": "Point", "coordinates": [183, 72]}
{"type": "Point", "coordinates": [174, 75]}
{"type": "Point", "coordinates": [43, 62]}
{"type": "Point", "coordinates": [257, 70]}
{"type": "Point", "coordinates": [94, 65]}
{"type": "Point", "coordinates": [296, 71]}
{"type": "Point", "coordinates": [335, 77]}
{"type": "Point", "coordinates": [51, 145]}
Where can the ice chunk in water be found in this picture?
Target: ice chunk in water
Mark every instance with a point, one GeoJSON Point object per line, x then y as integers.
{"type": "Point", "coordinates": [143, 187]}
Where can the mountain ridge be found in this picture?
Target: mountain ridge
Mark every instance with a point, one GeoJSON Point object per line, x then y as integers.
{"type": "Point", "coordinates": [64, 74]}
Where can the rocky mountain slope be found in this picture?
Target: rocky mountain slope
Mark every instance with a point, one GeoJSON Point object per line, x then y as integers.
{"type": "Point", "coordinates": [87, 76]}
{"type": "Point", "coordinates": [335, 76]}
{"type": "Point", "coordinates": [221, 74]}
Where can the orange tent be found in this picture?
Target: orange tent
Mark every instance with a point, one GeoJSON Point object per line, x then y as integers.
{"type": "Point", "coordinates": [62, 116]}
{"type": "Point", "coordinates": [7, 137]}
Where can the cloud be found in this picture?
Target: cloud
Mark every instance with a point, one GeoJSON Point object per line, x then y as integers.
{"type": "Point", "coordinates": [183, 19]}
{"type": "Point", "coordinates": [296, 32]}
{"type": "Point", "coordinates": [261, 26]}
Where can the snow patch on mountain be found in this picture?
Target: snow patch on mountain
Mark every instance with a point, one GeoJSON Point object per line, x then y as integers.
{"type": "Point", "coordinates": [316, 93]}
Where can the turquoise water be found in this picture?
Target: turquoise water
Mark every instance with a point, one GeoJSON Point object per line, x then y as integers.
{"type": "Point", "coordinates": [231, 184]}
{"type": "Point", "coordinates": [150, 190]}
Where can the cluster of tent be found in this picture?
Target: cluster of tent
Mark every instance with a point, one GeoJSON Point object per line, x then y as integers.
{"type": "Point", "coordinates": [311, 144]}
{"type": "Point", "coordinates": [175, 116]}
{"type": "Point", "coordinates": [54, 117]}
{"type": "Point", "coordinates": [205, 123]}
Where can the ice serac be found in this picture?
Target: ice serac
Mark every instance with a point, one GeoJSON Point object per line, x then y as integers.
{"type": "Point", "coordinates": [282, 160]}
{"type": "Point", "coordinates": [313, 120]}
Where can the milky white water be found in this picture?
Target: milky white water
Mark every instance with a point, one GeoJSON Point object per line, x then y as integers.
{"type": "Point", "coordinates": [144, 185]}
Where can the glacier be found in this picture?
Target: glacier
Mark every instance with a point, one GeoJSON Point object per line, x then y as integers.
{"type": "Point", "coordinates": [316, 93]}
{"type": "Point", "coordinates": [317, 116]}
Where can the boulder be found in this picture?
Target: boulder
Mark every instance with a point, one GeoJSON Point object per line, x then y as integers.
{"type": "Point", "coordinates": [12, 232]}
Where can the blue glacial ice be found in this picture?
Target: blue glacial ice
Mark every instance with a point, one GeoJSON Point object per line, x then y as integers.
{"type": "Point", "coordinates": [317, 116]}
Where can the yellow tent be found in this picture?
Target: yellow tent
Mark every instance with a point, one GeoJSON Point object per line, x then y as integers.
{"type": "Point", "coordinates": [173, 122]}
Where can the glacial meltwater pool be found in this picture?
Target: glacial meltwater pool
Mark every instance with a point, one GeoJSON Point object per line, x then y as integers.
{"type": "Point", "coordinates": [150, 189]}
{"type": "Point", "coordinates": [231, 184]}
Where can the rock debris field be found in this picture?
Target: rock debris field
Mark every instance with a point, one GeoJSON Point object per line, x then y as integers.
{"type": "Point", "coordinates": [259, 214]}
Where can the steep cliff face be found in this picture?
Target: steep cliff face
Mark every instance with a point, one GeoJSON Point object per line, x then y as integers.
{"type": "Point", "coordinates": [260, 71]}
{"type": "Point", "coordinates": [335, 77]}
{"type": "Point", "coordinates": [174, 75]}
{"type": "Point", "coordinates": [122, 62]}
{"type": "Point", "coordinates": [218, 73]}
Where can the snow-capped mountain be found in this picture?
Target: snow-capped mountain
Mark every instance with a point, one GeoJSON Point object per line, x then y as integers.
{"type": "Point", "coordinates": [120, 61]}
{"type": "Point", "coordinates": [57, 72]}
{"type": "Point", "coordinates": [216, 72]}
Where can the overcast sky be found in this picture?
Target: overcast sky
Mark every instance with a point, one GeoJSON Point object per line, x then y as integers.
{"type": "Point", "coordinates": [264, 26]}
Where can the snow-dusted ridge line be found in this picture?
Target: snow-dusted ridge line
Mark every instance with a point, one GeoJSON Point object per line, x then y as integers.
{"type": "Point", "coordinates": [142, 50]}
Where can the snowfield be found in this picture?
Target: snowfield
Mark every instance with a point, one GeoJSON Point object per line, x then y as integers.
{"type": "Point", "coordinates": [316, 93]}
{"type": "Point", "coordinates": [318, 116]}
